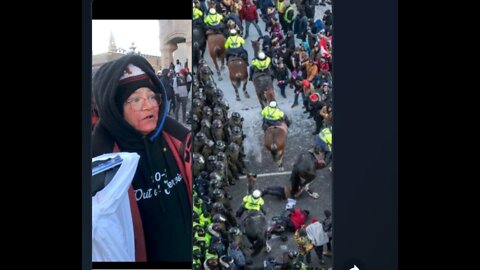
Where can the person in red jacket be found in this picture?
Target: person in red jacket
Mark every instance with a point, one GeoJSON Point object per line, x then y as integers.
{"type": "Point", "coordinates": [299, 217]}
{"type": "Point", "coordinates": [132, 106]}
{"type": "Point", "coordinates": [250, 15]}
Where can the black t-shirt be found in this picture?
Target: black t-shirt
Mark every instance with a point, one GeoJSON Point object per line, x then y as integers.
{"type": "Point", "coordinates": [164, 205]}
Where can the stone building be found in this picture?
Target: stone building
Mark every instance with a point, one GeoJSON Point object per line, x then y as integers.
{"type": "Point", "coordinates": [175, 43]}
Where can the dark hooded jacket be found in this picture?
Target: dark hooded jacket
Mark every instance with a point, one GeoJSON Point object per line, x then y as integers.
{"type": "Point", "coordinates": [161, 191]}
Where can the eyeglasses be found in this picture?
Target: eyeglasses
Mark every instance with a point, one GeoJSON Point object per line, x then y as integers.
{"type": "Point", "coordinates": [137, 103]}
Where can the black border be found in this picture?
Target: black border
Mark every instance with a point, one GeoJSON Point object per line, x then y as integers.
{"type": "Point", "coordinates": [114, 9]}
{"type": "Point", "coordinates": [365, 190]}
{"type": "Point", "coordinates": [365, 199]}
{"type": "Point", "coordinates": [86, 135]}
{"type": "Point", "coordinates": [142, 9]}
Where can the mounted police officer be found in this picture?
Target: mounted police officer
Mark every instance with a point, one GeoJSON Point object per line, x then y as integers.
{"type": "Point", "coordinates": [261, 63]}
{"type": "Point", "coordinates": [252, 202]}
{"type": "Point", "coordinates": [273, 116]}
{"type": "Point", "coordinates": [234, 46]}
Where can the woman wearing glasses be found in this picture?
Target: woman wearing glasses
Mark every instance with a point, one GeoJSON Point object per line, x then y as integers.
{"type": "Point", "coordinates": [132, 106]}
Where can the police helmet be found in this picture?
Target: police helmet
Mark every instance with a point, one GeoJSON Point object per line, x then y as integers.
{"type": "Point", "coordinates": [261, 55]}
{"type": "Point", "coordinates": [221, 156]}
{"type": "Point", "coordinates": [217, 123]}
{"type": "Point", "coordinates": [220, 145]}
{"type": "Point", "coordinates": [292, 254]}
{"type": "Point", "coordinates": [256, 193]}
{"type": "Point", "coordinates": [219, 218]}
{"type": "Point", "coordinates": [236, 130]}
{"type": "Point", "coordinates": [200, 136]}
{"type": "Point", "coordinates": [198, 158]}
{"type": "Point", "coordinates": [234, 231]}
{"type": "Point", "coordinates": [218, 192]}
{"type": "Point", "coordinates": [219, 93]}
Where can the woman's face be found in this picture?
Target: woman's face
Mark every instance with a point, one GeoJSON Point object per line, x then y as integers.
{"type": "Point", "coordinates": [140, 110]}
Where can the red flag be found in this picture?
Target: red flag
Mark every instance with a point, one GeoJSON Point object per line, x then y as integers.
{"type": "Point", "coordinates": [323, 47]}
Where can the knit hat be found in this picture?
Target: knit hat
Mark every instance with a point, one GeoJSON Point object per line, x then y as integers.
{"type": "Point", "coordinates": [314, 97]}
{"type": "Point", "coordinates": [183, 71]}
{"type": "Point", "coordinates": [132, 79]}
{"type": "Point", "coordinates": [306, 83]}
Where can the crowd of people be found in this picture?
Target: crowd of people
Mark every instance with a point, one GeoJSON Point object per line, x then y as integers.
{"type": "Point", "coordinates": [178, 80]}
{"type": "Point", "coordinates": [296, 50]}
{"type": "Point", "coordinates": [305, 68]}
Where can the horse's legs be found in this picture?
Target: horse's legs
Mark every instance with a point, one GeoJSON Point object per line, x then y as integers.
{"type": "Point", "coordinates": [280, 161]}
{"type": "Point", "coordinates": [236, 91]}
{"type": "Point", "coordinates": [295, 181]}
{"type": "Point", "coordinates": [259, 96]}
{"type": "Point", "coordinates": [267, 245]}
{"type": "Point", "coordinates": [264, 99]}
{"type": "Point", "coordinates": [257, 246]}
{"type": "Point", "coordinates": [307, 186]}
{"type": "Point", "coordinates": [223, 62]}
{"type": "Point", "coordinates": [245, 89]}
{"type": "Point", "coordinates": [214, 58]}
{"type": "Point", "coordinates": [315, 195]}
{"type": "Point", "coordinates": [269, 95]}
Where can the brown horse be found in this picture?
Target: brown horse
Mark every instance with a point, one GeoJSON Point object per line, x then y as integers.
{"type": "Point", "coordinates": [211, 4]}
{"type": "Point", "coordinates": [263, 87]}
{"type": "Point", "coordinates": [238, 74]}
{"type": "Point", "coordinates": [274, 139]}
{"type": "Point", "coordinates": [216, 47]}
{"type": "Point", "coordinates": [304, 172]}
{"type": "Point", "coordinates": [258, 47]}
{"type": "Point", "coordinates": [255, 46]}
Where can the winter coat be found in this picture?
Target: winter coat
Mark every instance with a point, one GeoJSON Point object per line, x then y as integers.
{"type": "Point", "coordinates": [113, 133]}
{"type": "Point", "coordinates": [249, 13]}
{"type": "Point", "coordinates": [298, 218]}
{"type": "Point", "coordinates": [316, 234]}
